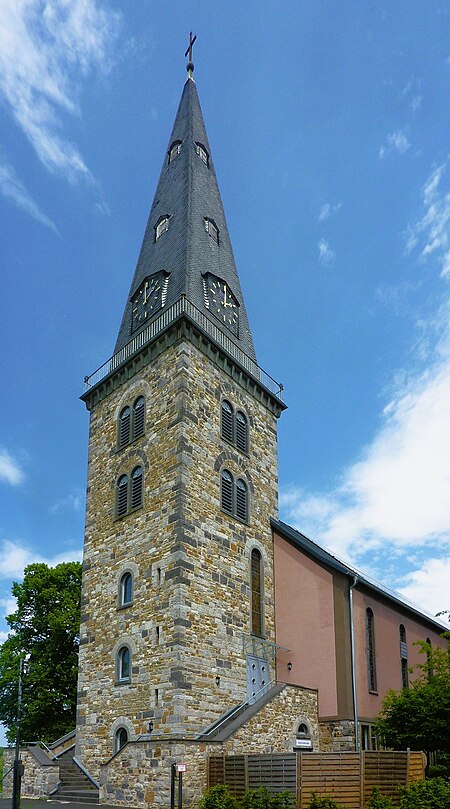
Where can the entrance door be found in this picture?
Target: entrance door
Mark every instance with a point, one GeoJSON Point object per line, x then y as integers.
{"type": "Point", "coordinates": [258, 677]}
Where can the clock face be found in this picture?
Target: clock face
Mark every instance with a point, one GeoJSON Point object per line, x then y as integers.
{"type": "Point", "coordinates": [222, 303]}
{"type": "Point", "coordinates": [148, 299]}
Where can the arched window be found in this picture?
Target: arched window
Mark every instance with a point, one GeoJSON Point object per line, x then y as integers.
{"type": "Point", "coordinates": [138, 417]}
{"type": "Point", "coordinates": [226, 423]}
{"type": "Point", "coordinates": [429, 651]}
{"type": "Point", "coordinates": [370, 648]}
{"type": "Point", "coordinates": [122, 495]}
{"type": "Point", "coordinates": [126, 589]}
{"type": "Point", "coordinates": [174, 150]}
{"type": "Point", "coordinates": [136, 487]}
{"type": "Point", "coordinates": [120, 739]}
{"type": "Point", "coordinates": [241, 499]}
{"type": "Point", "coordinates": [212, 229]}
{"type": "Point", "coordinates": [124, 427]}
{"type": "Point", "coordinates": [241, 432]}
{"type": "Point", "coordinates": [202, 153]}
{"type": "Point", "coordinates": [161, 226]}
{"type": "Point", "coordinates": [256, 593]}
{"type": "Point", "coordinates": [226, 491]}
{"type": "Point", "coordinates": [124, 664]}
{"type": "Point", "coordinates": [403, 656]}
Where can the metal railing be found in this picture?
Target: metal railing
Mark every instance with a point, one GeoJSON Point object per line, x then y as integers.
{"type": "Point", "coordinates": [39, 743]}
{"type": "Point", "coordinates": [183, 306]}
{"type": "Point", "coordinates": [233, 714]}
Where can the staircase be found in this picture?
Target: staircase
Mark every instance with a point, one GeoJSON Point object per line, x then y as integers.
{"type": "Point", "coordinates": [232, 720]}
{"type": "Point", "coordinates": [74, 785]}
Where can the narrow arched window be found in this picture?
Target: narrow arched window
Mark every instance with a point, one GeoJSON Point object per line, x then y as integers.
{"type": "Point", "coordinates": [226, 491]}
{"type": "Point", "coordinates": [241, 499]}
{"type": "Point", "coordinates": [241, 432]}
{"type": "Point", "coordinates": [126, 589]}
{"type": "Point", "coordinates": [202, 153]}
{"type": "Point", "coordinates": [124, 427]}
{"type": "Point", "coordinates": [138, 417]}
{"type": "Point", "coordinates": [124, 664]}
{"type": "Point", "coordinates": [122, 495]}
{"type": "Point", "coordinates": [430, 670]}
{"type": "Point", "coordinates": [370, 649]}
{"type": "Point", "coordinates": [161, 226]}
{"type": "Point", "coordinates": [256, 592]}
{"type": "Point", "coordinates": [403, 656]}
{"type": "Point", "coordinates": [136, 487]}
{"type": "Point", "coordinates": [120, 739]}
{"type": "Point", "coordinates": [174, 150]}
{"type": "Point", "coordinates": [226, 424]}
{"type": "Point", "coordinates": [212, 229]}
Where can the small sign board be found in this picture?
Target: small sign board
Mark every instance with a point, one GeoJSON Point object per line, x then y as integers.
{"type": "Point", "coordinates": [181, 767]}
{"type": "Point", "coordinates": [304, 743]}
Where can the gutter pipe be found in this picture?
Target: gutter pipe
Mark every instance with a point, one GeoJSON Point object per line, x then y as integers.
{"type": "Point", "coordinates": [353, 665]}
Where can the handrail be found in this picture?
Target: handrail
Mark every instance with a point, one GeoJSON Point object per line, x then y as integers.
{"type": "Point", "coordinates": [238, 709]}
{"type": "Point", "coordinates": [86, 772]}
{"type": "Point", "coordinates": [6, 773]}
{"type": "Point", "coordinates": [40, 743]}
{"type": "Point", "coordinates": [183, 306]}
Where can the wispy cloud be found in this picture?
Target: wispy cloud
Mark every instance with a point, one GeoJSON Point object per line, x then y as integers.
{"type": "Point", "coordinates": [73, 502]}
{"type": "Point", "coordinates": [46, 49]}
{"type": "Point", "coordinates": [428, 585]}
{"type": "Point", "coordinates": [432, 232]}
{"type": "Point", "coordinates": [10, 469]}
{"type": "Point", "coordinates": [328, 210]}
{"type": "Point", "coordinates": [14, 557]}
{"type": "Point", "coordinates": [326, 254]}
{"type": "Point", "coordinates": [12, 189]}
{"type": "Point", "coordinates": [395, 142]}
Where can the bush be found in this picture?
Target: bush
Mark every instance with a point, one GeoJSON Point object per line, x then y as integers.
{"type": "Point", "coordinates": [432, 794]}
{"type": "Point", "coordinates": [218, 797]}
{"type": "Point", "coordinates": [324, 802]}
{"type": "Point", "coordinates": [262, 799]}
{"type": "Point", "coordinates": [379, 801]}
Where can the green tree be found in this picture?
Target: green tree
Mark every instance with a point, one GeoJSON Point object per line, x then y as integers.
{"type": "Point", "coordinates": [419, 716]}
{"type": "Point", "coordinates": [46, 628]}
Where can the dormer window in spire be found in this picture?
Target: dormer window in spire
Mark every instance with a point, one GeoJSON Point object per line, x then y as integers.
{"type": "Point", "coordinates": [161, 226]}
{"type": "Point", "coordinates": [174, 150]}
{"type": "Point", "coordinates": [202, 153]}
{"type": "Point", "coordinates": [212, 229]}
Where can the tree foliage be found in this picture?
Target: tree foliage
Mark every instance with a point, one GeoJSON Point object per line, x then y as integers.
{"type": "Point", "coordinates": [419, 716]}
{"type": "Point", "coordinates": [46, 627]}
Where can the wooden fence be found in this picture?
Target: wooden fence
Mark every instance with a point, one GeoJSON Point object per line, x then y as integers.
{"type": "Point", "coordinates": [347, 777]}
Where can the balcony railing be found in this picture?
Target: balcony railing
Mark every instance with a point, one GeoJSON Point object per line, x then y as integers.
{"type": "Point", "coordinates": [183, 307]}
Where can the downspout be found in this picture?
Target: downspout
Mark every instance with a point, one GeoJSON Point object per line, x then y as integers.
{"type": "Point", "coordinates": [353, 664]}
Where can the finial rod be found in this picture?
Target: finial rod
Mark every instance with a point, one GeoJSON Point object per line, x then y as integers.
{"type": "Point", "coordinates": [190, 64]}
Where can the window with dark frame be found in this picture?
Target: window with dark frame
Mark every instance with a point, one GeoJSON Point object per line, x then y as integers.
{"type": "Point", "coordinates": [124, 427]}
{"type": "Point", "coordinates": [370, 643]}
{"type": "Point", "coordinates": [174, 150]}
{"type": "Point", "coordinates": [234, 426]}
{"type": "Point", "coordinates": [122, 495]}
{"type": "Point", "coordinates": [130, 492]}
{"type": "Point", "coordinates": [226, 491]}
{"type": "Point", "coordinates": [430, 670]}
{"type": "Point", "coordinates": [138, 417]}
{"type": "Point", "coordinates": [233, 495]}
{"type": "Point", "coordinates": [403, 656]}
{"type": "Point", "coordinates": [123, 664]}
{"type": "Point", "coordinates": [241, 499]}
{"type": "Point", "coordinates": [202, 153]}
{"type": "Point", "coordinates": [256, 593]}
{"type": "Point", "coordinates": [131, 423]}
{"type": "Point", "coordinates": [120, 739]}
{"type": "Point", "coordinates": [227, 421]}
{"type": "Point", "coordinates": [126, 589]}
{"type": "Point", "coordinates": [241, 432]}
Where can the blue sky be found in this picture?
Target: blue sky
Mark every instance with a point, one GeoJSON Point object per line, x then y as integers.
{"type": "Point", "coordinates": [329, 128]}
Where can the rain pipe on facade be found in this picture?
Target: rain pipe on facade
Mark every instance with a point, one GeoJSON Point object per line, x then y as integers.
{"type": "Point", "coordinates": [352, 652]}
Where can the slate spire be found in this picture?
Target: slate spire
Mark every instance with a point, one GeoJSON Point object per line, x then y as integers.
{"type": "Point", "coordinates": [195, 251]}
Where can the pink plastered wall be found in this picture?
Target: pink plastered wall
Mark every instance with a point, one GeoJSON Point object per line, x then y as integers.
{"type": "Point", "coordinates": [305, 624]}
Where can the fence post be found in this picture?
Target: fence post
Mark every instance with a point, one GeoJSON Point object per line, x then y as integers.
{"type": "Point", "coordinates": [298, 765]}
{"type": "Point", "coordinates": [362, 772]}
{"type": "Point", "coordinates": [246, 772]}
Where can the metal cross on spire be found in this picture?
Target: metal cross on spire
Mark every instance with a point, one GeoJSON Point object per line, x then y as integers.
{"type": "Point", "coordinates": [190, 64]}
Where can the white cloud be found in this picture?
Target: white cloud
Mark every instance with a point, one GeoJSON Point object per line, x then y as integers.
{"type": "Point", "coordinates": [12, 188]}
{"type": "Point", "coordinates": [15, 557]}
{"type": "Point", "coordinates": [73, 502]}
{"type": "Point", "coordinates": [46, 48]}
{"type": "Point", "coordinates": [328, 210]}
{"type": "Point", "coordinates": [326, 254]}
{"type": "Point", "coordinates": [10, 471]}
{"type": "Point", "coordinates": [396, 142]}
{"type": "Point", "coordinates": [428, 585]}
{"type": "Point", "coordinates": [432, 231]}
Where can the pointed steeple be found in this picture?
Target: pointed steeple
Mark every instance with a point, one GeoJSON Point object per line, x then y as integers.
{"type": "Point", "coordinates": [186, 248]}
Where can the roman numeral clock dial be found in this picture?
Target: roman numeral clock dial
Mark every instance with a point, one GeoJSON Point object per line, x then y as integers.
{"type": "Point", "coordinates": [221, 302]}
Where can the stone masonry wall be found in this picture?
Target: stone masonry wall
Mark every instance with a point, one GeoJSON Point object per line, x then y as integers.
{"type": "Point", "coordinates": [337, 736]}
{"type": "Point", "coordinates": [140, 773]}
{"type": "Point", "coordinates": [38, 779]}
{"type": "Point", "coordinates": [190, 615]}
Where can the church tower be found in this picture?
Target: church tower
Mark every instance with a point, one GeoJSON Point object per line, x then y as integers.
{"type": "Point", "coordinates": [178, 600]}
